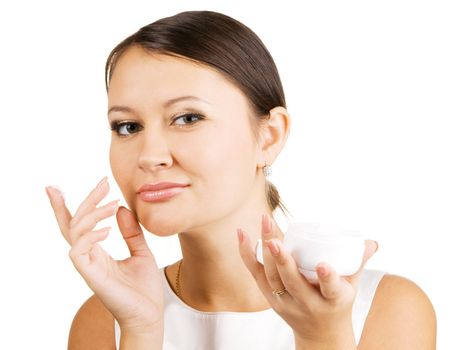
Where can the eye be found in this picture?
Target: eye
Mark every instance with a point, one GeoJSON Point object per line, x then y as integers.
{"type": "Point", "coordinates": [188, 117]}
{"type": "Point", "coordinates": [125, 129]}
{"type": "Point", "coordinates": [130, 127]}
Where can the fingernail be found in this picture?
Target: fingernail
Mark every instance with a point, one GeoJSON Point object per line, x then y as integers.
{"type": "Point", "coordinates": [102, 181]}
{"type": "Point", "coordinates": [116, 205]}
{"type": "Point", "coordinates": [377, 243]}
{"type": "Point", "coordinates": [47, 188]}
{"type": "Point", "coordinates": [267, 225]}
{"type": "Point", "coordinates": [105, 229]}
{"type": "Point", "coordinates": [56, 190]}
{"type": "Point", "coordinates": [240, 235]}
{"type": "Point", "coordinates": [321, 271]}
{"type": "Point", "coordinates": [272, 245]}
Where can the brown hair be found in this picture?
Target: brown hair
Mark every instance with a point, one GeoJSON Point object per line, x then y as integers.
{"type": "Point", "coordinates": [221, 42]}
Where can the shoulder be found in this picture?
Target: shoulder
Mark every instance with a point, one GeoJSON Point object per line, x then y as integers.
{"type": "Point", "coordinates": [92, 327]}
{"type": "Point", "coordinates": [401, 317]}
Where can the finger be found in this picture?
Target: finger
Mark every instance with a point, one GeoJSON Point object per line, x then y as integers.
{"type": "Point", "coordinates": [90, 220]}
{"type": "Point", "coordinates": [295, 283]}
{"type": "Point", "coordinates": [80, 250]}
{"type": "Point", "coordinates": [256, 269]}
{"type": "Point", "coordinates": [92, 200]}
{"type": "Point", "coordinates": [61, 212]}
{"type": "Point", "coordinates": [370, 249]}
{"type": "Point", "coordinates": [270, 268]}
{"type": "Point", "coordinates": [132, 233]}
{"type": "Point", "coordinates": [330, 283]}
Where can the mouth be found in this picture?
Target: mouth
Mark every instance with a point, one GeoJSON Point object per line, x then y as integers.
{"type": "Point", "coordinates": [161, 195]}
{"type": "Point", "coordinates": [159, 186]}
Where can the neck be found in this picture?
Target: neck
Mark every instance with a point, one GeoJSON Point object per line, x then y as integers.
{"type": "Point", "coordinates": [213, 276]}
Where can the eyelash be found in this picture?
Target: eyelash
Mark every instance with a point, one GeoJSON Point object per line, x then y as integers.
{"type": "Point", "coordinates": [116, 125]}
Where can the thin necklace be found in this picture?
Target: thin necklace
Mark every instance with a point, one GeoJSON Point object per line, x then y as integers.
{"type": "Point", "coordinates": [178, 293]}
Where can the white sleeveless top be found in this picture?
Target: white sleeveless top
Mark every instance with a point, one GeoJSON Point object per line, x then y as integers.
{"type": "Point", "coordinates": [186, 328]}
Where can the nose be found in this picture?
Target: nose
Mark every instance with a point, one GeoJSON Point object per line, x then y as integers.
{"type": "Point", "coordinates": [154, 152]}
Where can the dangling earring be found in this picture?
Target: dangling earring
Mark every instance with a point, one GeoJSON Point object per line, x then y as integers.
{"type": "Point", "coordinates": [267, 170]}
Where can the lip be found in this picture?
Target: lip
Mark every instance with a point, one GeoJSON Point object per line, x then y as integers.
{"type": "Point", "coordinates": [159, 196]}
{"type": "Point", "coordinates": [160, 191]}
{"type": "Point", "coordinates": [159, 186]}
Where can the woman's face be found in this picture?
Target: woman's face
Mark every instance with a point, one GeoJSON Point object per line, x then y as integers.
{"type": "Point", "coordinates": [216, 155]}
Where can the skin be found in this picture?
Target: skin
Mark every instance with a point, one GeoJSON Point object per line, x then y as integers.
{"type": "Point", "coordinates": [221, 161]}
{"type": "Point", "coordinates": [210, 155]}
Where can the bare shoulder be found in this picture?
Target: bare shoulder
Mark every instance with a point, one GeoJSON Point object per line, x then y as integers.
{"type": "Point", "coordinates": [92, 327]}
{"type": "Point", "coordinates": [401, 317]}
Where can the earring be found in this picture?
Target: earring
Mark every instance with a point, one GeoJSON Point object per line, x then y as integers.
{"type": "Point", "coordinates": [267, 170]}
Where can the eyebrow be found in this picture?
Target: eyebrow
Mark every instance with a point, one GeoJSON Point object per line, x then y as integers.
{"type": "Point", "coordinates": [166, 104]}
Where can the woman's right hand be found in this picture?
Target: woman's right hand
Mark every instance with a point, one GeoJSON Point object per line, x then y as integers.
{"type": "Point", "coordinates": [131, 289]}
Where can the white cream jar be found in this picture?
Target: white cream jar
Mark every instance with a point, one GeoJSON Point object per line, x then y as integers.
{"type": "Point", "coordinates": [311, 243]}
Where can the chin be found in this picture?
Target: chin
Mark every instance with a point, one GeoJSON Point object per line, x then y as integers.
{"type": "Point", "coordinates": [159, 226]}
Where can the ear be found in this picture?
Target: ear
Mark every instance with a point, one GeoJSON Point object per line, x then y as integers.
{"type": "Point", "coordinates": [274, 133]}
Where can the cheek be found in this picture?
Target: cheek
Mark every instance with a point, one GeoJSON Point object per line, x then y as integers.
{"type": "Point", "coordinates": [221, 150]}
{"type": "Point", "coordinates": [116, 162]}
{"type": "Point", "coordinates": [121, 161]}
{"type": "Point", "coordinates": [224, 158]}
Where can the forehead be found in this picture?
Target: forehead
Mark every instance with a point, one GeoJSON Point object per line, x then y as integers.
{"type": "Point", "coordinates": [139, 75]}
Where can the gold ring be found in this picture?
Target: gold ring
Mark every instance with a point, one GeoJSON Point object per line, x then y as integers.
{"type": "Point", "coordinates": [279, 292]}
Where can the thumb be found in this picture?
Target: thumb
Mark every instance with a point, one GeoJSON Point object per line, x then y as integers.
{"type": "Point", "coordinates": [132, 233]}
{"type": "Point", "coordinates": [370, 248]}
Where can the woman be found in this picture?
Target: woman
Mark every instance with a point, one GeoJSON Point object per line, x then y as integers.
{"type": "Point", "coordinates": [197, 113]}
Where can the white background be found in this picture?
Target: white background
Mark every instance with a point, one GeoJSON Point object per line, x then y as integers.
{"type": "Point", "coordinates": [378, 93]}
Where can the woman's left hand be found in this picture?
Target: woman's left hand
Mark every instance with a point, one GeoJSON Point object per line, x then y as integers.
{"type": "Point", "coordinates": [318, 314]}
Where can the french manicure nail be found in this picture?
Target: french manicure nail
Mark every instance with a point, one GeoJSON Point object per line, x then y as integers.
{"type": "Point", "coordinates": [56, 189]}
{"type": "Point", "coordinates": [272, 245]}
{"type": "Point", "coordinates": [47, 188]}
{"type": "Point", "coordinates": [102, 181]}
{"type": "Point", "coordinates": [267, 225]}
{"type": "Point", "coordinates": [322, 271]}
{"type": "Point", "coordinates": [116, 205]}
{"type": "Point", "coordinates": [240, 235]}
